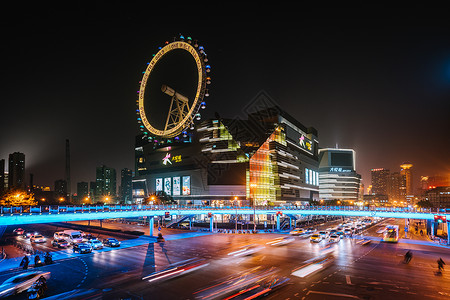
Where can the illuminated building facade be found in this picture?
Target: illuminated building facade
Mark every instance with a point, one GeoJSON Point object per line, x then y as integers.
{"type": "Point", "coordinates": [106, 187]}
{"type": "Point", "coordinates": [438, 196]}
{"type": "Point", "coordinates": [380, 181]}
{"type": "Point", "coordinates": [407, 186]}
{"type": "Point", "coordinates": [337, 175]}
{"type": "Point", "coordinates": [268, 158]}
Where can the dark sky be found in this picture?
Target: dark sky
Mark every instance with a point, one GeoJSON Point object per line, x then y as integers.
{"type": "Point", "coordinates": [375, 82]}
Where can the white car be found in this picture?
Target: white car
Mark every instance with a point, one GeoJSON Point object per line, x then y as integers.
{"type": "Point", "coordinates": [21, 282]}
{"type": "Point", "coordinates": [96, 244]}
{"type": "Point", "coordinates": [297, 231]}
{"type": "Point", "coordinates": [324, 234]}
{"type": "Point", "coordinates": [37, 238]}
{"type": "Point", "coordinates": [334, 238]}
{"type": "Point", "coordinates": [316, 238]}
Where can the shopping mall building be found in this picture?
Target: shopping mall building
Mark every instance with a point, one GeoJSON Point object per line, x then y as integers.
{"type": "Point", "coordinates": [268, 157]}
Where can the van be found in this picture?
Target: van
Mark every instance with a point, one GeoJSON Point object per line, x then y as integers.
{"type": "Point", "coordinates": [72, 236]}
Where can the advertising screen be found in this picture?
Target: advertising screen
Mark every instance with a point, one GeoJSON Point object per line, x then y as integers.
{"type": "Point", "coordinates": [159, 184]}
{"type": "Point", "coordinates": [176, 186]}
{"type": "Point", "coordinates": [168, 186]}
{"type": "Point", "coordinates": [186, 185]}
{"type": "Point", "coordinates": [342, 159]}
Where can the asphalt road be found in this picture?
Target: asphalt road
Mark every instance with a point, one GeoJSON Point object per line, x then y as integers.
{"type": "Point", "coordinates": [355, 271]}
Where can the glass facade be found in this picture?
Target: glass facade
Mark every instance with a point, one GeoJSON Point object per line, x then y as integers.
{"type": "Point", "coordinates": [262, 174]}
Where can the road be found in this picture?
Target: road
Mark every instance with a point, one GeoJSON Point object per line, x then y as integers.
{"type": "Point", "coordinates": [371, 271]}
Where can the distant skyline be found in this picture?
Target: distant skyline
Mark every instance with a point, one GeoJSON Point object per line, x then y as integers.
{"type": "Point", "coordinates": [375, 83]}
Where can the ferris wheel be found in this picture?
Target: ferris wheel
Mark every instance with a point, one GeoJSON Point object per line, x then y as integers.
{"type": "Point", "coordinates": [183, 110]}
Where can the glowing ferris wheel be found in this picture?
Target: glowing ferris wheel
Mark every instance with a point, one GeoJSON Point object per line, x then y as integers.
{"type": "Point", "coordinates": [183, 109]}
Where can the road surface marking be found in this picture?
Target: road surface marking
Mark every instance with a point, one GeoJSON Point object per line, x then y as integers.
{"type": "Point", "coordinates": [333, 294]}
{"type": "Point", "coordinates": [347, 279]}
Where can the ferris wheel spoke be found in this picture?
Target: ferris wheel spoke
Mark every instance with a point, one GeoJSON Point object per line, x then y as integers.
{"type": "Point", "coordinates": [181, 114]}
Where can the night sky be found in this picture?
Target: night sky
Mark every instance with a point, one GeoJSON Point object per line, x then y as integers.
{"type": "Point", "coordinates": [366, 80]}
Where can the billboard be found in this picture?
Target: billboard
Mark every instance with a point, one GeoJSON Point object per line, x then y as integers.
{"type": "Point", "coordinates": [168, 186]}
{"type": "Point", "coordinates": [186, 185]}
{"type": "Point", "coordinates": [176, 186]}
{"type": "Point", "coordinates": [159, 184]}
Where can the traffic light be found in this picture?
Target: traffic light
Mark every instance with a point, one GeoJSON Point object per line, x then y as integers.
{"type": "Point", "coordinates": [440, 219]}
{"type": "Point", "coordinates": [209, 215]}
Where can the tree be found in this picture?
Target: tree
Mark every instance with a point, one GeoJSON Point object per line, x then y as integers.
{"type": "Point", "coordinates": [18, 198]}
{"type": "Point", "coordinates": [424, 204]}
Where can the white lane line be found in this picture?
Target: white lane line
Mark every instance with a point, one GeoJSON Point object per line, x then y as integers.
{"type": "Point", "coordinates": [333, 294]}
{"type": "Point", "coordinates": [347, 279]}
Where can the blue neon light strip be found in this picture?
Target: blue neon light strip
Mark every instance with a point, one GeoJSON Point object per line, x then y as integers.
{"type": "Point", "coordinates": [108, 212]}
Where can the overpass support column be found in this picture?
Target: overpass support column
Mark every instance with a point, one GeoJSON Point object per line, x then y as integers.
{"type": "Point", "coordinates": [448, 233]}
{"type": "Point", "coordinates": [211, 223]}
{"type": "Point", "coordinates": [151, 225]}
{"type": "Point", "coordinates": [278, 222]}
{"type": "Point", "coordinates": [432, 229]}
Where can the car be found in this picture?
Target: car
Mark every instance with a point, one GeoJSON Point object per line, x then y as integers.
{"type": "Point", "coordinates": [60, 243]}
{"type": "Point", "coordinates": [96, 244]}
{"type": "Point", "coordinates": [111, 242]}
{"type": "Point", "coordinates": [19, 231]}
{"type": "Point", "coordinates": [310, 230]}
{"type": "Point", "coordinates": [316, 238]}
{"type": "Point", "coordinates": [333, 231]}
{"type": "Point", "coordinates": [347, 232]}
{"type": "Point", "coordinates": [339, 233]}
{"type": "Point", "coordinates": [58, 235]}
{"type": "Point", "coordinates": [324, 234]}
{"type": "Point", "coordinates": [37, 238]}
{"type": "Point", "coordinates": [297, 231]}
{"type": "Point", "coordinates": [27, 235]}
{"type": "Point", "coordinates": [334, 238]}
{"type": "Point", "coordinates": [21, 282]}
{"type": "Point", "coordinates": [82, 248]}
{"type": "Point", "coordinates": [88, 237]}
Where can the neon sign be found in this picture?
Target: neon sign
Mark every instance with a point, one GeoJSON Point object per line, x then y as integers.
{"type": "Point", "coordinates": [305, 143]}
{"type": "Point", "coordinates": [168, 159]}
{"type": "Point", "coordinates": [340, 170]}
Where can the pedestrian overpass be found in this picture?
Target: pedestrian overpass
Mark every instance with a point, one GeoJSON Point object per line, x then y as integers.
{"type": "Point", "coordinates": [49, 214]}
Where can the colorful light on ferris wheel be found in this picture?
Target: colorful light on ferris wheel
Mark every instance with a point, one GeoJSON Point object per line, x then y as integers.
{"type": "Point", "coordinates": [199, 54]}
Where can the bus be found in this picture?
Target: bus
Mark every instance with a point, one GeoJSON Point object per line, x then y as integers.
{"type": "Point", "coordinates": [391, 234]}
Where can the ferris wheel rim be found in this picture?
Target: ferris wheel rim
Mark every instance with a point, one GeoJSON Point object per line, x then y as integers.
{"type": "Point", "coordinates": [200, 91]}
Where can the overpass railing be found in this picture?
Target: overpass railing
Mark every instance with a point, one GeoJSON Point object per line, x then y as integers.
{"type": "Point", "coordinates": [50, 209]}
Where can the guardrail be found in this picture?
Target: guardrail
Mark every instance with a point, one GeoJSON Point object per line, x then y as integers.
{"type": "Point", "coordinates": [51, 209]}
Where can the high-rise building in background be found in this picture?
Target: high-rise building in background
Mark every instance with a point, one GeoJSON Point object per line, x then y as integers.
{"type": "Point", "coordinates": [82, 191]}
{"type": "Point", "coordinates": [394, 191]}
{"type": "Point", "coordinates": [106, 183]}
{"type": "Point", "coordinates": [16, 169]}
{"type": "Point", "coordinates": [126, 186]}
{"type": "Point", "coordinates": [380, 179]}
{"type": "Point", "coordinates": [92, 190]}
{"type": "Point", "coordinates": [407, 181]}
{"type": "Point", "coordinates": [338, 179]}
{"type": "Point", "coordinates": [2, 177]}
{"type": "Point", "coordinates": [61, 188]}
